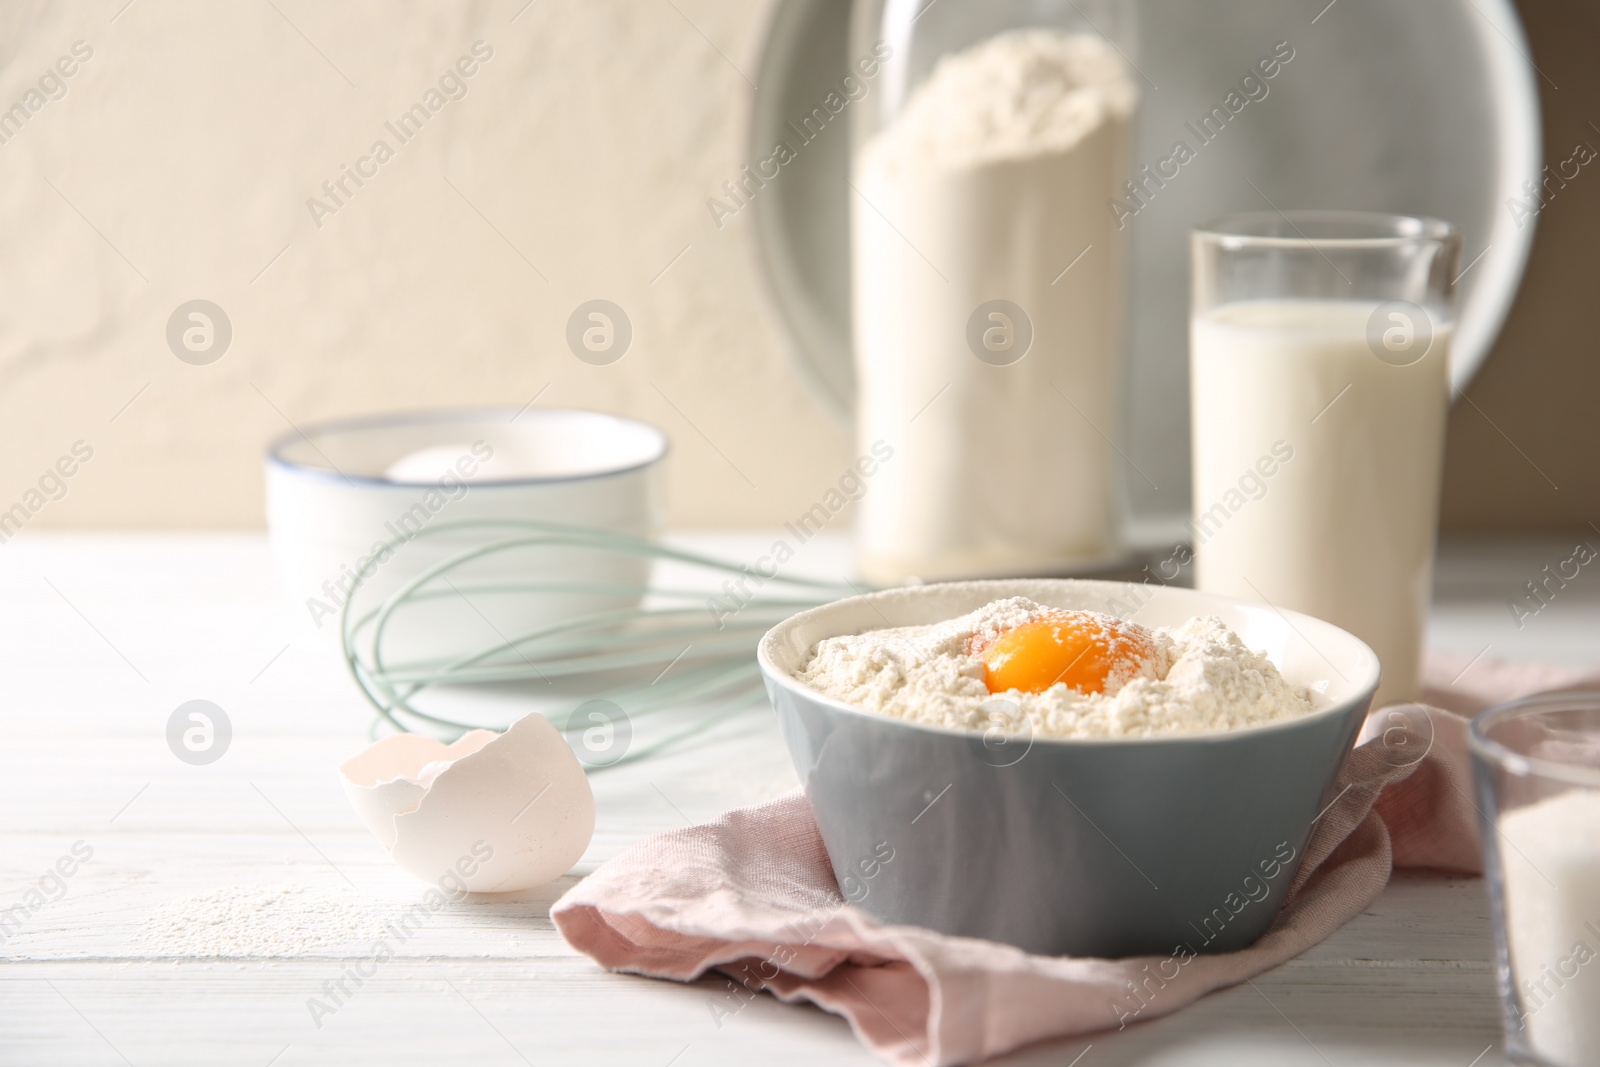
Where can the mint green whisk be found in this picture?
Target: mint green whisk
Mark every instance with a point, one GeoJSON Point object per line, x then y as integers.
{"type": "Point", "coordinates": [605, 655]}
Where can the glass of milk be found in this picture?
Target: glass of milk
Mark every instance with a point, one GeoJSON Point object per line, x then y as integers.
{"type": "Point", "coordinates": [1537, 765]}
{"type": "Point", "coordinates": [1318, 360]}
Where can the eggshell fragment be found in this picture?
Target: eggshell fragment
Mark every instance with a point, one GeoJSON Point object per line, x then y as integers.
{"type": "Point", "coordinates": [508, 811]}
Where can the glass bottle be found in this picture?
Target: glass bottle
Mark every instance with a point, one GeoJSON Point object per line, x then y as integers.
{"type": "Point", "coordinates": [988, 268]}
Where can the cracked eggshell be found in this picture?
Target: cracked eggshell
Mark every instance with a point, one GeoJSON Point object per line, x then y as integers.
{"type": "Point", "coordinates": [385, 778]}
{"type": "Point", "coordinates": [507, 811]}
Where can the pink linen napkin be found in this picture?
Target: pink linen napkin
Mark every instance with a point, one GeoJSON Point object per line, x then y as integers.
{"type": "Point", "coordinates": [752, 895]}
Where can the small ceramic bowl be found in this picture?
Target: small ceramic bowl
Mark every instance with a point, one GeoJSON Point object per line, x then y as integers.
{"type": "Point", "coordinates": [1071, 847]}
{"type": "Point", "coordinates": [338, 492]}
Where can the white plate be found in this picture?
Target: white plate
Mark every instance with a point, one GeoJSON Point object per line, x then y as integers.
{"type": "Point", "coordinates": [1427, 107]}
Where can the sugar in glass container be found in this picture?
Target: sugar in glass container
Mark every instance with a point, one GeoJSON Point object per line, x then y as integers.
{"type": "Point", "coordinates": [1537, 766]}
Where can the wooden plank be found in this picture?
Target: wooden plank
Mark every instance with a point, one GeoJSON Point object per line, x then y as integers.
{"type": "Point", "coordinates": [107, 633]}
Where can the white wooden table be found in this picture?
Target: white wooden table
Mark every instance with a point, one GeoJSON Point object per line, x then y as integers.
{"type": "Point", "coordinates": [101, 637]}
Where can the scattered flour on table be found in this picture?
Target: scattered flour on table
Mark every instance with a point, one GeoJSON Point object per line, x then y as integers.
{"type": "Point", "coordinates": [1202, 678]}
{"type": "Point", "coordinates": [250, 921]}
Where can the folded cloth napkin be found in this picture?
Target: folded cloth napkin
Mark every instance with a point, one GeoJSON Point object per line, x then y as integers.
{"type": "Point", "coordinates": [752, 895]}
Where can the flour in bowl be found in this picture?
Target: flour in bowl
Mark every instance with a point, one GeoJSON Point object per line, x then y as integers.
{"type": "Point", "coordinates": [1195, 678]}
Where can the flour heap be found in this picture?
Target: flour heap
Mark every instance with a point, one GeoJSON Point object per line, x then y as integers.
{"type": "Point", "coordinates": [1202, 678]}
{"type": "Point", "coordinates": [1014, 97]}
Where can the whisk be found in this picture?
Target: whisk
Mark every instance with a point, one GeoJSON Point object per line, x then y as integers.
{"type": "Point", "coordinates": [606, 654]}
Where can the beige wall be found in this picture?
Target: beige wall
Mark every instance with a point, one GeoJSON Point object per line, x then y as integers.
{"type": "Point", "coordinates": [178, 166]}
{"type": "Point", "coordinates": [191, 142]}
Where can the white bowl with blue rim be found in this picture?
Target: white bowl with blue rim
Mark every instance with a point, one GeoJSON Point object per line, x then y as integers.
{"type": "Point", "coordinates": [388, 497]}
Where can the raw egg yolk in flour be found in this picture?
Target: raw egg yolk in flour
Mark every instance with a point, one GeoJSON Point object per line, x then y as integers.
{"type": "Point", "coordinates": [1080, 648]}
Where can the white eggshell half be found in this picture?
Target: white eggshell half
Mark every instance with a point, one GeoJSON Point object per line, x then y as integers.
{"type": "Point", "coordinates": [512, 814]}
{"type": "Point", "coordinates": [378, 779]}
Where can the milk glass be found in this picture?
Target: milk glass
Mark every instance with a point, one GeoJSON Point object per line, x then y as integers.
{"type": "Point", "coordinates": [1319, 358]}
{"type": "Point", "coordinates": [1537, 765]}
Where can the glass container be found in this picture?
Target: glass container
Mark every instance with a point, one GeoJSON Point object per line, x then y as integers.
{"type": "Point", "coordinates": [1319, 356]}
{"type": "Point", "coordinates": [1537, 766]}
{"type": "Point", "coordinates": [990, 145]}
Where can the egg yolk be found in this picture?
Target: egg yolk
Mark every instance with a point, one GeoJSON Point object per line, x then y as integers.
{"type": "Point", "coordinates": [1080, 648]}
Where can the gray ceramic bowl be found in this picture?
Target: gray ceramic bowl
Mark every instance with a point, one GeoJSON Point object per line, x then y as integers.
{"type": "Point", "coordinates": [1071, 847]}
